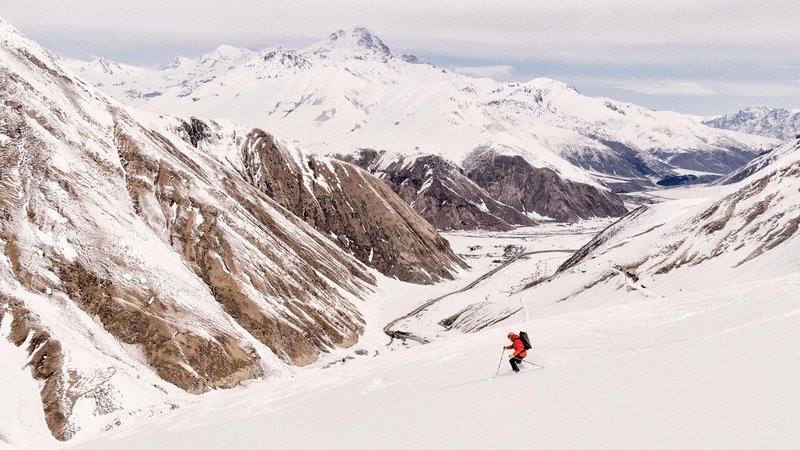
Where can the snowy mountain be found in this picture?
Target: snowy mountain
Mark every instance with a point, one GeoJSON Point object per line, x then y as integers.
{"type": "Point", "coordinates": [149, 258]}
{"type": "Point", "coordinates": [677, 325]}
{"type": "Point", "coordinates": [764, 161]}
{"type": "Point", "coordinates": [351, 92]}
{"type": "Point", "coordinates": [740, 233]}
{"type": "Point", "coordinates": [146, 257]}
{"type": "Point", "coordinates": [775, 123]}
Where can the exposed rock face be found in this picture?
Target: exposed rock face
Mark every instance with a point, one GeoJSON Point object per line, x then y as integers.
{"type": "Point", "coordinates": [441, 193]}
{"type": "Point", "coordinates": [209, 238]}
{"type": "Point", "coordinates": [46, 364]}
{"type": "Point", "coordinates": [513, 181]}
{"type": "Point", "coordinates": [359, 211]}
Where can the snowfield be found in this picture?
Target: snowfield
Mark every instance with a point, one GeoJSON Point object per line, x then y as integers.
{"type": "Point", "coordinates": [713, 368]}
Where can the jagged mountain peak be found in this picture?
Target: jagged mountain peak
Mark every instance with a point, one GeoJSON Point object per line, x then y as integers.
{"type": "Point", "coordinates": [358, 39]}
{"type": "Point", "coordinates": [180, 61]}
{"type": "Point", "coordinates": [103, 65]}
{"type": "Point", "coordinates": [761, 120]}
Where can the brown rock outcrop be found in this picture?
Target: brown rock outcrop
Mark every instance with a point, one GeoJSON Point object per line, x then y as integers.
{"type": "Point", "coordinates": [441, 193]}
{"type": "Point", "coordinates": [360, 213]}
{"type": "Point", "coordinates": [513, 181]}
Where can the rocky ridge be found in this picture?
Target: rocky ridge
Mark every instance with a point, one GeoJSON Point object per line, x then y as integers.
{"type": "Point", "coordinates": [776, 123]}
{"type": "Point", "coordinates": [137, 266]}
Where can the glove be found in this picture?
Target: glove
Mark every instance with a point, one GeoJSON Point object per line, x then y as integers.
{"type": "Point", "coordinates": [511, 356]}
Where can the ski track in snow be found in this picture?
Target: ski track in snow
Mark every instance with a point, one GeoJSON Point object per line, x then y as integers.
{"type": "Point", "coordinates": [712, 368]}
{"type": "Point", "coordinates": [679, 371]}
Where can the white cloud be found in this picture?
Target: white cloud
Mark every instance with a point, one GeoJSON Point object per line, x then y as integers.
{"type": "Point", "coordinates": [670, 88]}
{"type": "Point", "coordinates": [766, 88]}
{"type": "Point", "coordinates": [771, 89]}
{"type": "Point", "coordinates": [610, 31]}
{"type": "Point", "coordinates": [485, 71]}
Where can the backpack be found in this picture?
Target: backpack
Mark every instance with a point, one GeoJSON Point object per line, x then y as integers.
{"type": "Point", "coordinates": [526, 342]}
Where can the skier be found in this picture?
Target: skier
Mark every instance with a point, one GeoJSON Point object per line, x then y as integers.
{"type": "Point", "coordinates": [518, 350]}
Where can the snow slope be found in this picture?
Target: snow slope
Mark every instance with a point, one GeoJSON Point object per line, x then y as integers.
{"type": "Point", "coordinates": [714, 369]}
{"type": "Point", "coordinates": [743, 232]}
{"type": "Point", "coordinates": [676, 326]}
{"type": "Point", "coordinates": [763, 161]}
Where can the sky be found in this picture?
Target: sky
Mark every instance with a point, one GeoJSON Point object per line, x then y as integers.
{"type": "Point", "coordinates": [703, 57]}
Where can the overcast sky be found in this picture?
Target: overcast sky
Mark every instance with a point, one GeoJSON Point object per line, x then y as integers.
{"type": "Point", "coordinates": [693, 56]}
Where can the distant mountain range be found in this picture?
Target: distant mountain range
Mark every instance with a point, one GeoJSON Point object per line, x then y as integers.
{"type": "Point", "coordinates": [775, 123]}
{"type": "Point", "coordinates": [462, 150]}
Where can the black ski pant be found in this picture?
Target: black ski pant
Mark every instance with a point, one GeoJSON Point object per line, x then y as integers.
{"type": "Point", "coordinates": [514, 361]}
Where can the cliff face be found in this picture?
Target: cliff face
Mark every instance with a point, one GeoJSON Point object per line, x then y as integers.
{"type": "Point", "coordinates": [440, 192]}
{"type": "Point", "coordinates": [362, 215]}
{"type": "Point", "coordinates": [137, 264]}
{"type": "Point", "coordinates": [144, 257]}
{"type": "Point", "coordinates": [513, 181]}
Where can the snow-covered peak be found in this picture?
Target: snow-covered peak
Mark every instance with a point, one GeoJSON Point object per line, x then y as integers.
{"type": "Point", "coordinates": [777, 123]}
{"type": "Point", "coordinates": [547, 84]}
{"type": "Point", "coordinates": [180, 62]}
{"type": "Point", "coordinates": [225, 53]}
{"type": "Point", "coordinates": [103, 66]}
{"type": "Point", "coordinates": [281, 58]}
{"type": "Point", "coordinates": [355, 43]}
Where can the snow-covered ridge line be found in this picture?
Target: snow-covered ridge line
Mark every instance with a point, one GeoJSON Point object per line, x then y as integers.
{"type": "Point", "coordinates": [350, 92]}
{"type": "Point", "coordinates": [739, 233]}
{"type": "Point", "coordinates": [776, 123]}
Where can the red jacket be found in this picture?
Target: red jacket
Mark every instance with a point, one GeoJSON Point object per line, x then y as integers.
{"type": "Point", "coordinates": [516, 345]}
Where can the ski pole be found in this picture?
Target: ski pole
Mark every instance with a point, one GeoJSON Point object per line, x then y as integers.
{"type": "Point", "coordinates": [501, 362]}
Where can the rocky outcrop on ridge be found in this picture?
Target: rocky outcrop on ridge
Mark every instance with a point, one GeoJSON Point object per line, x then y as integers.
{"type": "Point", "coordinates": [357, 210]}
{"type": "Point", "coordinates": [513, 181]}
{"type": "Point", "coordinates": [440, 192]}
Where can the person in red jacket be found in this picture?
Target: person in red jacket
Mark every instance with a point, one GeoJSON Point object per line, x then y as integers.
{"type": "Point", "coordinates": [518, 351]}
